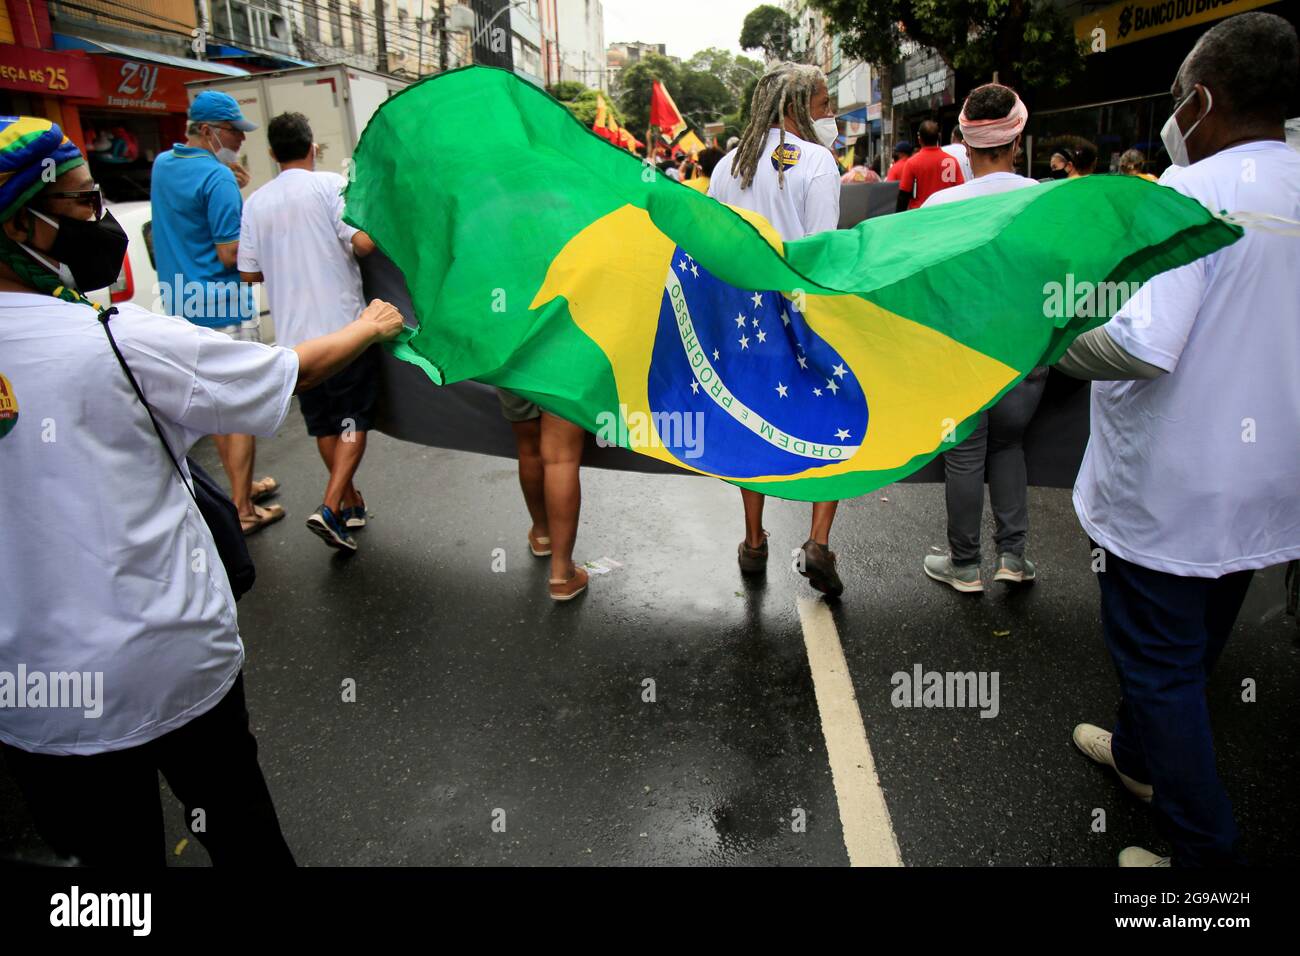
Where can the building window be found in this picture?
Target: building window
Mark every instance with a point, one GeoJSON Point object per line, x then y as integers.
{"type": "Point", "coordinates": [336, 22]}
{"type": "Point", "coordinates": [311, 19]}
{"type": "Point", "coordinates": [358, 38]}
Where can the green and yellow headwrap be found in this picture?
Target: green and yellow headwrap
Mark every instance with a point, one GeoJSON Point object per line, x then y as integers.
{"type": "Point", "coordinates": [33, 151]}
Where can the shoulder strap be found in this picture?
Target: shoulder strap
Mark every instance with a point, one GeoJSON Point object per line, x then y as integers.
{"type": "Point", "coordinates": [104, 315]}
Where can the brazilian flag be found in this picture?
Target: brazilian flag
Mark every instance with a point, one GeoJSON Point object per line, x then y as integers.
{"type": "Point", "coordinates": [544, 260]}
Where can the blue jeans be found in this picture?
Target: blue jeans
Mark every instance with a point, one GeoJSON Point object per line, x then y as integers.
{"type": "Point", "coordinates": [1165, 632]}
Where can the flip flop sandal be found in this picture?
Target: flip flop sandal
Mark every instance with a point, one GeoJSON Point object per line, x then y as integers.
{"type": "Point", "coordinates": [261, 518]}
{"type": "Point", "coordinates": [263, 488]}
{"type": "Point", "coordinates": [540, 547]}
{"type": "Point", "coordinates": [562, 590]}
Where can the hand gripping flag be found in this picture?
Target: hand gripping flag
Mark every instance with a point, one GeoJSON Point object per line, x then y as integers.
{"type": "Point", "coordinates": [671, 324]}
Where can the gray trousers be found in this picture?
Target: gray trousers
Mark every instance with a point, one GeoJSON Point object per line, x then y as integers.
{"type": "Point", "coordinates": [996, 441]}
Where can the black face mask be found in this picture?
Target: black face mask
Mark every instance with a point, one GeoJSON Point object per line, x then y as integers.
{"type": "Point", "coordinates": [92, 250]}
{"type": "Point", "coordinates": [1061, 173]}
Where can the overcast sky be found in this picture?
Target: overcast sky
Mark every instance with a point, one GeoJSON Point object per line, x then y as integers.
{"type": "Point", "coordinates": [686, 26]}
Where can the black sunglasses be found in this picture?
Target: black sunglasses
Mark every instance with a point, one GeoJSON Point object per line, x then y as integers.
{"type": "Point", "coordinates": [92, 196]}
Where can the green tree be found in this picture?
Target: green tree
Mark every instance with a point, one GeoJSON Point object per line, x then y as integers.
{"type": "Point", "coordinates": [769, 29]}
{"type": "Point", "coordinates": [735, 72]}
{"type": "Point", "coordinates": [635, 85]}
{"type": "Point", "coordinates": [566, 91]}
{"type": "Point", "coordinates": [1029, 44]}
{"type": "Point", "coordinates": [581, 101]}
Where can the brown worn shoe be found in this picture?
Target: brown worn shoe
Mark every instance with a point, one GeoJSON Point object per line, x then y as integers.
{"type": "Point", "coordinates": [753, 560]}
{"type": "Point", "coordinates": [562, 590]}
{"type": "Point", "coordinates": [819, 569]}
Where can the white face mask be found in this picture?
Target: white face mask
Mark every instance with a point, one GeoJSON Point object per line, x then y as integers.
{"type": "Point", "coordinates": [1174, 138]}
{"type": "Point", "coordinates": [826, 130]}
{"type": "Point", "coordinates": [225, 154]}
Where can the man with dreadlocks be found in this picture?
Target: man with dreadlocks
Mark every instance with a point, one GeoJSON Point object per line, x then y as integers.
{"type": "Point", "coordinates": [783, 170]}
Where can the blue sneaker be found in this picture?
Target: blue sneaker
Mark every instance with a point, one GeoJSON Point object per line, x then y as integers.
{"type": "Point", "coordinates": [326, 525]}
{"type": "Point", "coordinates": [354, 517]}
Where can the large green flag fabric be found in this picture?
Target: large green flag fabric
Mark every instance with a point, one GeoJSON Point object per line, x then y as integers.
{"type": "Point", "coordinates": [544, 260]}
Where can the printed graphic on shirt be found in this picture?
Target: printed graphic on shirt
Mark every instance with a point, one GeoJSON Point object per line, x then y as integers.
{"type": "Point", "coordinates": [8, 406]}
{"type": "Point", "coordinates": [787, 156]}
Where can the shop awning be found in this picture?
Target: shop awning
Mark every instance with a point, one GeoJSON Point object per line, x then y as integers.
{"type": "Point", "coordinates": [63, 41]}
{"type": "Point", "coordinates": [217, 51]}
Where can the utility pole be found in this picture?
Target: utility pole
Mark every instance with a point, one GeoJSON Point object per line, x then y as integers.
{"type": "Point", "coordinates": [381, 36]}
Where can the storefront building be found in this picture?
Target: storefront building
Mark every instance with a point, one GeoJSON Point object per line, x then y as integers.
{"type": "Point", "coordinates": [1122, 99]}
{"type": "Point", "coordinates": [113, 77]}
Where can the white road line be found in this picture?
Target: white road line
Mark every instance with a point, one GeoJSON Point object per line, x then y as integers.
{"type": "Point", "coordinates": [868, 832]}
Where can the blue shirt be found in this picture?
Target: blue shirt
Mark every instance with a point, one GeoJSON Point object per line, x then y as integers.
{"type": "Point", "coordinates": [196, 205]}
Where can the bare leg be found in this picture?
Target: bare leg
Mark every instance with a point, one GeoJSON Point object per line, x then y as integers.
{"type": "Point", "coordinates": [753, 517]}
{"type": "Point", "coordinates": [347, 459]}
{"type": "Point", "coordinates": [561, 456]}
{"type": "Point", "coordinates": [237, 452]}
{"type": "Point", "coordinates": [528, 439]}
{"type": "Point", "coordinates": [822, 515]}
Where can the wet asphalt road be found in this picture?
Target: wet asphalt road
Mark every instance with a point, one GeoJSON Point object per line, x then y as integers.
{"type": "Point", "coordinates": [480, 702]}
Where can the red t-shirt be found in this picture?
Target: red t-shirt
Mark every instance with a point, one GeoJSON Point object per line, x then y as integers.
{"type": "Point", "coordinates": [896, 170]}
{"type": "Point", "coordinates": [927, 172]}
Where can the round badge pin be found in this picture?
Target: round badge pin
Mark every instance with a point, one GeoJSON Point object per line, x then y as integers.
{"type": "Point", "coordinates": [787, 156]}
{"type": "Point", "coordinates": [8, 406]}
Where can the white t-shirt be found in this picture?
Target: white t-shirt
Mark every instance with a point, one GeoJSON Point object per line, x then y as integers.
{"type": "Point", "coordinates": [810, 200]}
{"type": "Point", "coordinates": [293, 233]}
{"type": "Point", "coordinates": [106, 564]}
{"type": "Point", "coordinates": [958, 152]}
{"type": "Point", "coordinates": [983, 186]}
{"type": "Point", "coordinates": [1197, 472]}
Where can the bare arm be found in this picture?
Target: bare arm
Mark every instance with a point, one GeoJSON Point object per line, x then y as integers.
{"type": "Point", "coordinates": [251, 276]}
{"type": "Point", "coordinates": [319, 358]}
{"type": "Point", "coordinates": [362, 245]}
{"type": "Point", "coordinates": [228, 253]}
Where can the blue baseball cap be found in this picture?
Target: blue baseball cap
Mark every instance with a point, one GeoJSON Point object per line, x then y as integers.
{"type": "Point", "coordinates": [210, 106]}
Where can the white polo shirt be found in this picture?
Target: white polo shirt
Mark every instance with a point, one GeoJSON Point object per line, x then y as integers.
{"type": "Point", "coordinates": [808, 203]}
{"type": "Point", "coordinates": [106, 565]}
{"type": "Point", "coordinates": [292, 231]}
{"type": "Point", "coordinates": [1197, 472]}
{"type": "Point", "coordinates": [989, 185]}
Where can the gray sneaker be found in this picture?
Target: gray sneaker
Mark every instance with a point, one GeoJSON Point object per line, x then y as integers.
{"type": "Point", "coordinates": [1014, 568]}
{"type": "Point", "coordinates": [960, 577]}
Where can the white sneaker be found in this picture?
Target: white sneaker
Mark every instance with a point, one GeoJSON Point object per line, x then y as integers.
{"type": "Point", "coordinates": [1136, 856]}
{"type": "Point", "coordinates": [1095, 743]}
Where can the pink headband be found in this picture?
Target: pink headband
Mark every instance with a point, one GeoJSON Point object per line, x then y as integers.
{"type": "Point", "coordinates": [988, 133]}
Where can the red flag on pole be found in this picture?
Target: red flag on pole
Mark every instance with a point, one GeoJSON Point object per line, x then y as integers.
{"type": "Point", "coordinates": [664, 112]}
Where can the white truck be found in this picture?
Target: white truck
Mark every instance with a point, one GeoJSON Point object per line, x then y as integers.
{"type": "Point", "coordinates": [338, 101]}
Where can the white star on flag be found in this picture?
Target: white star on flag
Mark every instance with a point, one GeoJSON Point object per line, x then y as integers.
{"type": "Point", "coordinates": [682, 265]}
{"type": "Point", "coordinates": [755, 323]}
{"type": "Point", "coordinates": [785, 318]}
{"type": "Point", "coordinates": [841, 434]}
{"type": "Point", "coordinates": [757, 297]}
{"type": "Point", "coordinates": [694, 271]}
{"type": "Point", "coordinates": [817, 392]}
{"type": "Point", "coordinates": [781, 389]}
{"type": "Point", "coordinates": [830, 383]}
{"type": "Point", "coordinates": [840, 371]}
{"type": "Point", "coordinates": [762, 336]}
{"type": "Point", "coordinates": [744, 342]}
{"type": "Point", "coordinates": [803, 362]}
{"type": "Point", "coordinates": [740, 320]}
{"type": "Point", "coordinates": [695, 388]}
{"type": "Point", "coordinates": [715, 355]}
